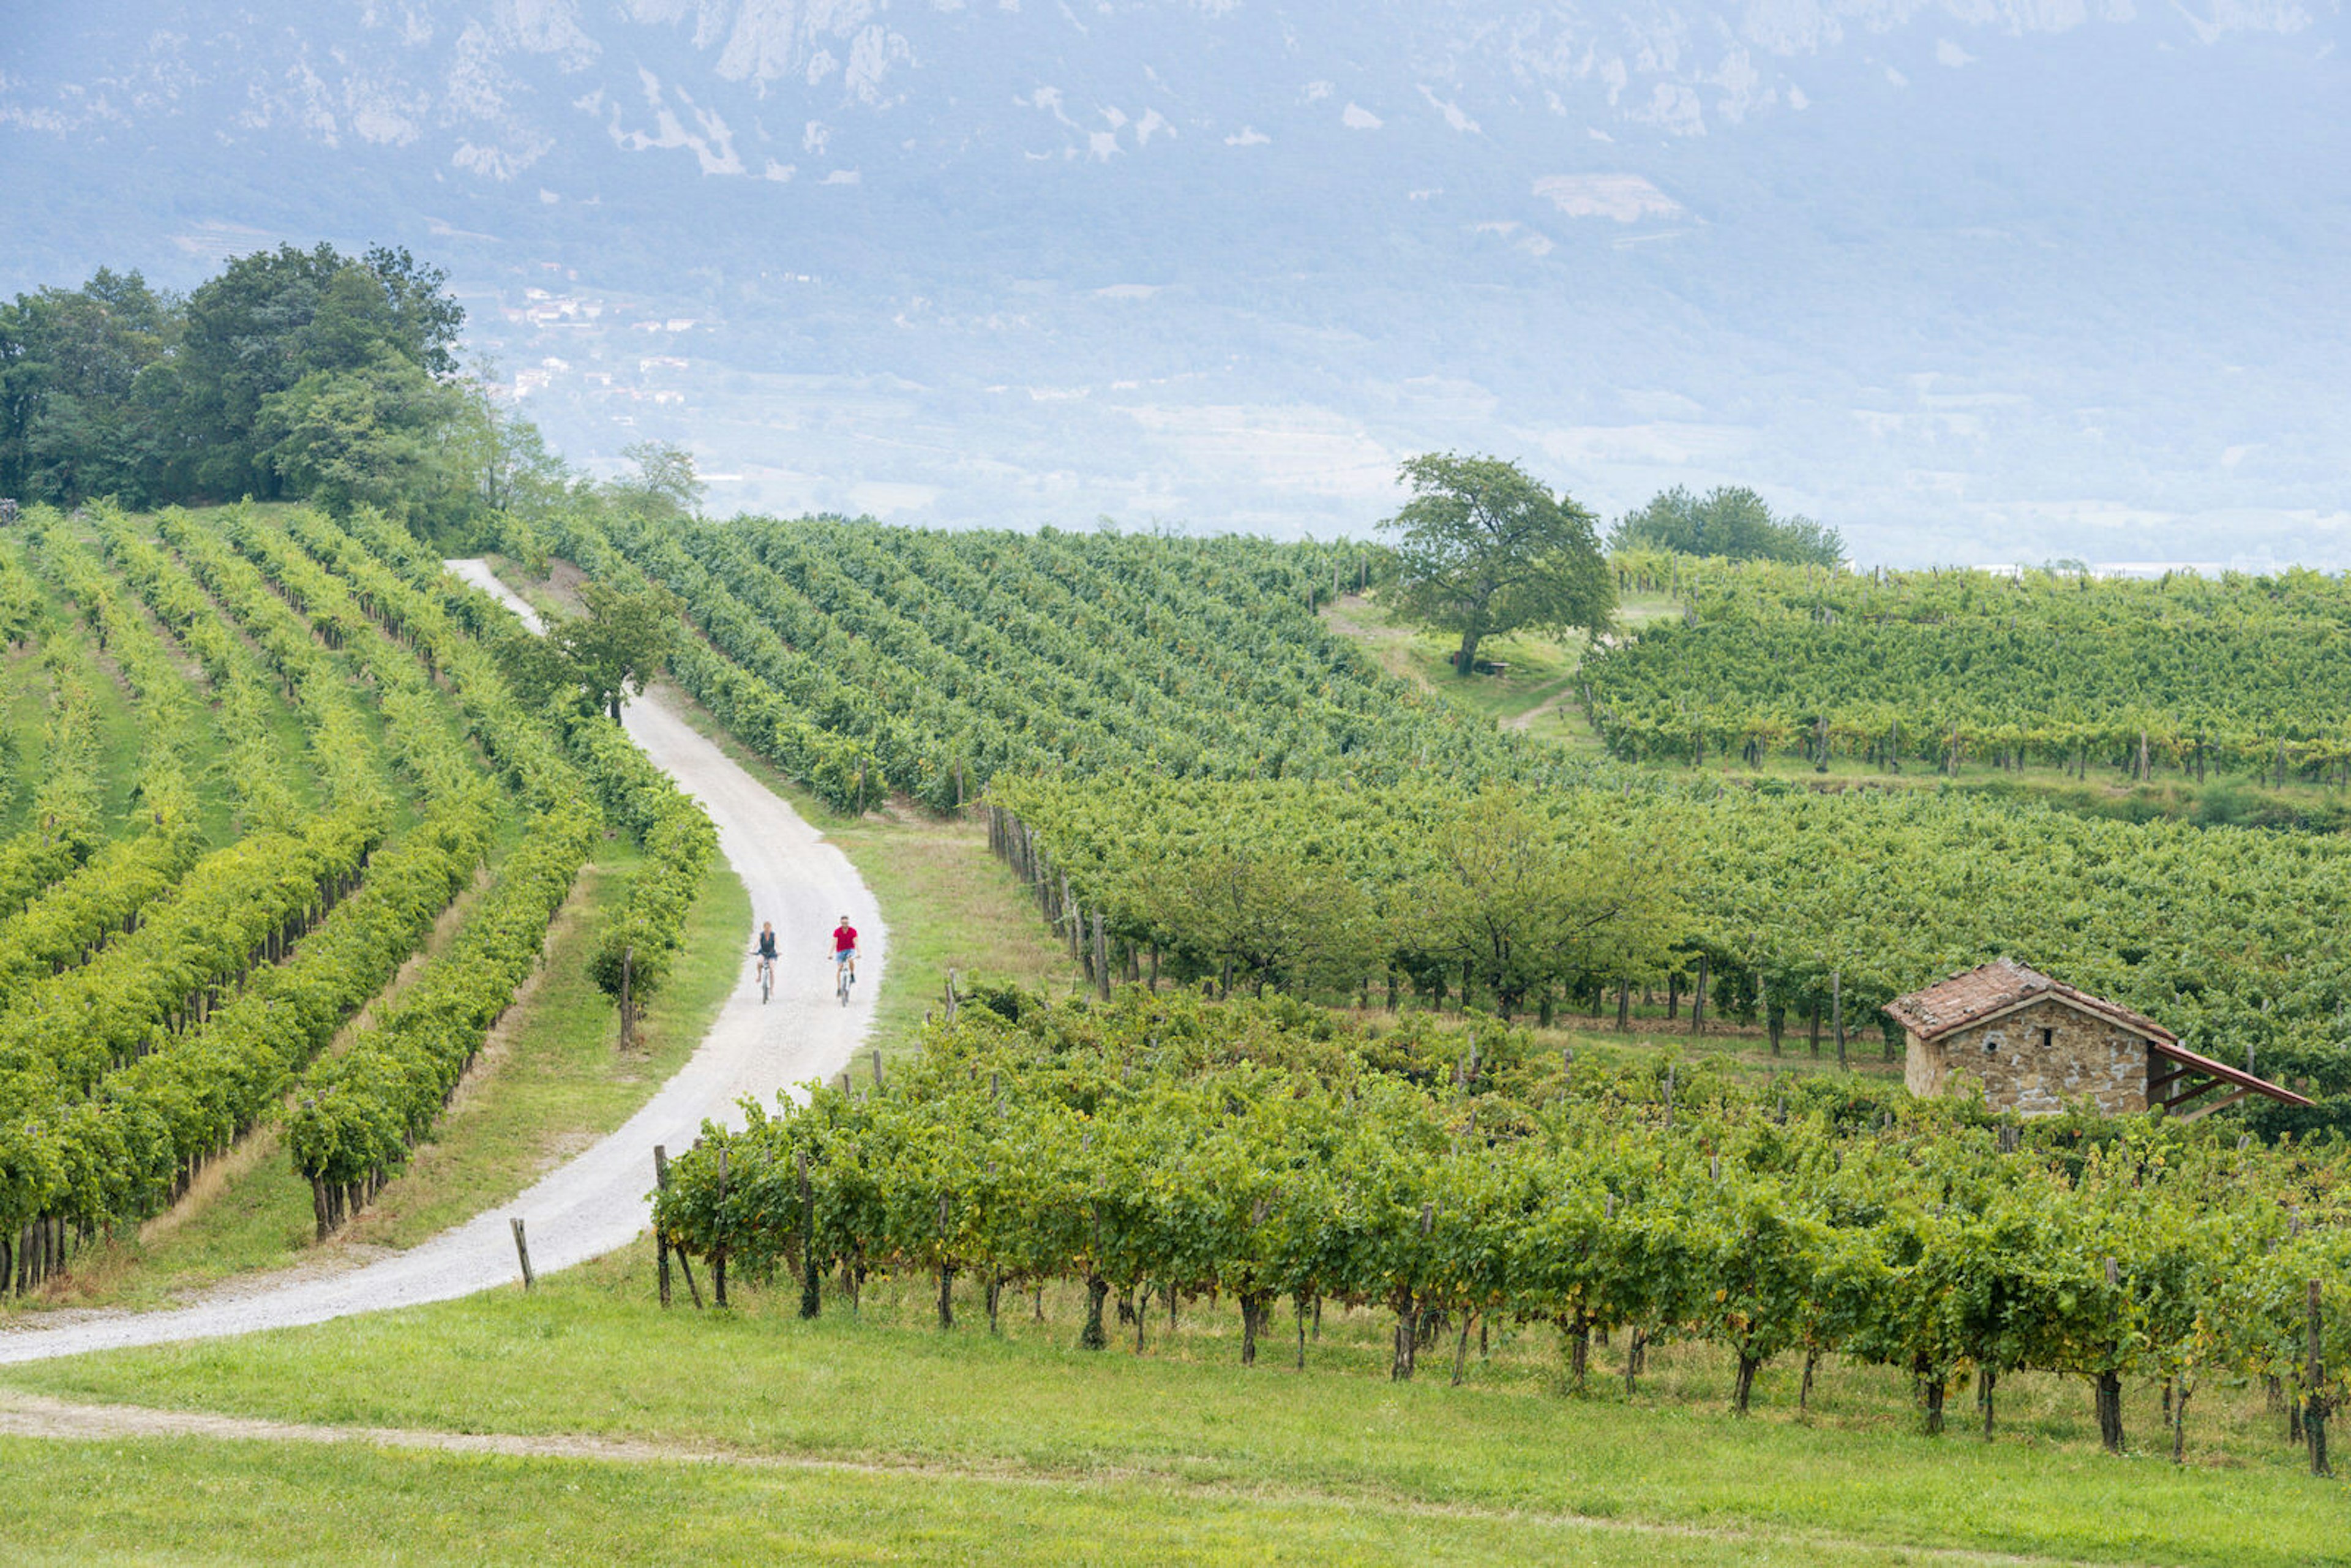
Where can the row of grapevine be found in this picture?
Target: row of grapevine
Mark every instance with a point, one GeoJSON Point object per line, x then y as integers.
{"type": "Point", "coordinates": [359, 1115]}
{"type": "Point", "coordinates": [64, 825]}
{"type": "Point", "coordinates": [106, 895]}
{"type": "Point", "coordinates": [2225, 934]}
{"type": "Point", "coordinates": [360, 1112]}
{"type": "Point", "coordinates": [169, 719]}
{"type": "Point", "coordinates": [680, 843]}
{"type": "Point", "coordinates": [933, 661]}
{"type": "Point", "coordinates": [259, 771]}
{"type": "Point", "coordinates": [128, 1148]}
{"type": "Point", "coordinates": [749, 680]}
{"type": "Point", "coordinates": [1164, 1144]}
{"type": "Point", "coordinates": [147, 1125]}
{"type": "Point", "coordinates": [1937, 669]}
{"type": "Point", "coordinates": [349, 761]}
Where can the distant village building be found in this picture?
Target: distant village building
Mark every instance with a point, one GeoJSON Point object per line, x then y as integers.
{"type": "Point", "coordinates": [2035, 1043]}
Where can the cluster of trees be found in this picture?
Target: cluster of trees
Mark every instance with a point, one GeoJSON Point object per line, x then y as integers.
{"type": "Point", "coordinates": [291, 373]}
{"type": "Point", "coordinates": [1335, 894]}
{"type": "Point", "coordinates": [1729, 521]}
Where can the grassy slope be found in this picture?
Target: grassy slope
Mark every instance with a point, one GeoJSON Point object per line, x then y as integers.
{"type": "Point", "coordinates": [590, 1354]}
{"type": "Point", "coordinates": [1536, 695]}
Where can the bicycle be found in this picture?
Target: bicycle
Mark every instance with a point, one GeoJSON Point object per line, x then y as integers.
{"type": "Point", "coordinates": [766, 970]}
{"type": "Point", "coordinates": [844, 974]}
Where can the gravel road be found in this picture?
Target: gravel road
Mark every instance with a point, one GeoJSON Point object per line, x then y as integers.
{"type": "Point", "coordinates": [597, 1202]}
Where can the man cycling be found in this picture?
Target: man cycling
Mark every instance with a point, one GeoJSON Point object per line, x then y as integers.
{"type": "Point", "coordinates": [844, 952]}
{"type": "Point", "coordinates": [766, 953]}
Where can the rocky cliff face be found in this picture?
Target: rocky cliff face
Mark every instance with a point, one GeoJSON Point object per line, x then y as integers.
{"type": "Point", "coordinates": [1969, 280]}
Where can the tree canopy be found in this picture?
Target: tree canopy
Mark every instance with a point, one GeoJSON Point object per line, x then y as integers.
{"type": "Point", "coordinates": [1730, 521]}
{"type": "Point", "coordinates": [1484, 549]}
{"type": "Point", "coordinates": [291, 372]}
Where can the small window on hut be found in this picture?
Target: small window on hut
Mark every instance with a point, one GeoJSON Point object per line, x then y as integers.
{"type": "Point", "coordinates": [1992, 1045]}
{"type": "Point", "coordinates": [2048, 1038]}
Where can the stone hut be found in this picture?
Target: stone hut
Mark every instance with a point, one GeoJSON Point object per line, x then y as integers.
{"type": "Point", "coordinates": [2035, 1043]}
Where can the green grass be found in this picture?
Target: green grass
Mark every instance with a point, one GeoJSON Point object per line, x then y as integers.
{"type": "Point", "coordinates": [590, 1354]}
{"type": "Point", "coordinates": [202, 1501]}
{"type": "Point", "coordinates": [1540, 668]}
{"type": "Point", "coordinates": [119, 735]}
{"type": "Point", "coordinates": [1535, 691]}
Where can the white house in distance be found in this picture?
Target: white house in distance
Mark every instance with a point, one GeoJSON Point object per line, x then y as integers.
{"type": "Point", "coordinates": [2035, 1043]}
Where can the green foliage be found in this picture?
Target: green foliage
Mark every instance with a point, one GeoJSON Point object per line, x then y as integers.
{"type": "Point", "coordinates": [2224, 934]}
{"type": "Point", "coordinates": [1483, 549]}
{"type": "Point", "coordinates": [1173, 1144]}
{"type": "Point", "coordinates": [290, 372]}
{"type": "Point", "coordinates": [1732, 523]}
{"type": "Point", "coordinates": [367, 434]}
{"type": "Point", "coordinates": [1942, 668]}
{"type": "Point", "coordinates": [665, 484]}
{"type": "Point", "coordinates": [618, 644]}
{"type": "Point", "coordinates": [862, 660]}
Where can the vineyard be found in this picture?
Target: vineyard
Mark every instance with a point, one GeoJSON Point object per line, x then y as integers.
{"type": "Point", "coordinates": [1196, 779]}
{"type": "Point", "coordinates": [1782, 899]}
{"type": "Point", "coordinates": [866, 661]}
{"type": "Point", "coordinates": [1931, 671]}
{"type": "Point", "coordinates": [326, 757]}
{"type": "Point", "coordinates": [1164, 1149]}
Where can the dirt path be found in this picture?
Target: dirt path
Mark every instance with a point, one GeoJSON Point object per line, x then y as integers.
{"type": "Point", "coordinates": [596, 1202]}
{"type": "Point", "coordinates": [1541, 711]}
{"type": "Point", "coordinates": [40, 1416]}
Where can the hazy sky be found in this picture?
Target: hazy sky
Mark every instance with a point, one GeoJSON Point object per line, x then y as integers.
{"type": "Point", "coordinates": [1971, 281]}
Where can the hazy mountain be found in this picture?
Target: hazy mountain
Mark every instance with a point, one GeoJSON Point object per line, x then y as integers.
{"type": "Point", "coordinates": [1972, 280]}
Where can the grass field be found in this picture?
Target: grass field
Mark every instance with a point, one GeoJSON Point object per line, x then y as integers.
{"type": "Point", "coordinates": [212, 1501]}
{"type": "Point", "coordinates": [955, 1441]}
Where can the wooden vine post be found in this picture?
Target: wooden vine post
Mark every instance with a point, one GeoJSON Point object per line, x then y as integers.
{"type": "Point", "coordinates": [718, 1253]}
{"type": "Point", "coordinates": [1836, 1007]}
{"type": "Point", "coordinates": [812, 1293]}
{"type": "Point", "coordinates": [661, 1242]}
{"type": "Point", "coordinates": [2314, 1420]}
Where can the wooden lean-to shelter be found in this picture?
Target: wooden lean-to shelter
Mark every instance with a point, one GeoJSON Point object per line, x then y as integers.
{"type": "Point", "coordinates": [2035, 1043]}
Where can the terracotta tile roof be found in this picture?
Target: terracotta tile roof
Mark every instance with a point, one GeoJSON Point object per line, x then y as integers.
{"type": "Point", "coordinates": [1995, 987]}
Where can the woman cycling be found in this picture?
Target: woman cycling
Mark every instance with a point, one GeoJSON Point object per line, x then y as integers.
{"type": "Point", "coordinates": [766, 953]}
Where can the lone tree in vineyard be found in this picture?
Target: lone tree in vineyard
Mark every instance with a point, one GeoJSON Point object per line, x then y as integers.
{"type": "Point", "coordinates": [1486, 549]}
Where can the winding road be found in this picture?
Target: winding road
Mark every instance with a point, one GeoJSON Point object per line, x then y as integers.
{"type": "Point", "coordinates": [597, 1202]}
